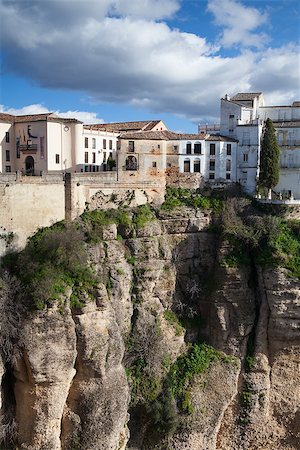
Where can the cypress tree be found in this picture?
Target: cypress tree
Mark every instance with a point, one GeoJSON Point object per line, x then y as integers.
{"type": "Point", "coordinates": [269, 158]}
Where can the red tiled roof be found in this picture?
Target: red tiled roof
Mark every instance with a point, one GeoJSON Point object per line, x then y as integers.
{"type": "Point", "coordinates": [6, 118]}
{"type": "Point", "coordinates": [166, 135]}
{"type": "Point", "coordinates": [124, 126]}
{"type": "Point", "coordinates": [35, 118]}
{"type": "Point", "coordinates": [245, 96]}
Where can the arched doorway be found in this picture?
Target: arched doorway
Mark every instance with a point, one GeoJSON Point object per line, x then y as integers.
{"type": "Point", "coordinates": [29, 165]}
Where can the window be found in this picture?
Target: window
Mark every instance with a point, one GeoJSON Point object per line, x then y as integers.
{"type": "Point", "coordinates": [188, 148]}
{"type": "Point", "coordinates": [175, 147]}
{"type": "Point", "coordinates": [7, 169]}
{"type": "Point", "coordinates": [187, 166]}
{"type": "Point", "coordinates": [212, 149]}
{"type": "Point", "coordinates": [104, 143]}
{"type": "Point", "coordinates": [212, 164]}
{"type": "Point", "coordinates": [245, 157]}
{"type": "Point", "coordinates": [197, 148]}
{"type": "Point", "coordinates": [131, 146]}
{"type": "Point", "coordinates": [86, 142]}
{"type": "Point", "coordinates": [86, 157]}
{"type": "Point", "coordinates": [197, 165]}
{"type": "Point", "coordinates": [231, 116]}
{"type": "Point", "coordinates": [158, 146]}
{"type": "Point", "coordinates": [228, 165]}
{"type": "Point", "coordinates": [18, 141]}
{"type": "Point", "coordinates": [104, 157]}
{"type": "Point", "coordinates": [94, 157]}
{"type": "Point", "coordinates": [110, 144]}
{"type": "Point", "coordinates": [131, 163]}
{"type": "Point", "coordinates": [42, 147]}
{"type": "Point", "coordinates": [7, 155]}
{"type": "Point", "coordinates": [56, 159]}
{"type": "Point", "coordinates": [86, 168]}
{"type": "Point", "coordinates": [93, 142]}
{"type": "Point", "coordinates": [154, 164]}
{"type": "Point", "coordinates": [227, 176]}
{"type": "Point", "coordinates": [211, 176]}
{"type": "Point", "coordinates": [228, 149]}
{"type": "Point", "coordinates": [7, 136]}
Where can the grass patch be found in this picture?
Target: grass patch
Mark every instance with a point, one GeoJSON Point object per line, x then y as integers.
{"type": "Point", "coordinates": [176, 197]}
{"type": "Point", "coordinates": [143, 215]}
{"type": "Point", "coordinates": [197, 360]}
{"type": "Point", "coordinates": [172, 318]}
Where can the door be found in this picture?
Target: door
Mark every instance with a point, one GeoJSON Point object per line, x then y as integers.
{"type": "Point", "coordinates": [29, 165]}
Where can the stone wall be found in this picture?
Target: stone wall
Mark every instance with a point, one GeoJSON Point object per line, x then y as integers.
{"type": "Point", "coordinates": [29, 203]}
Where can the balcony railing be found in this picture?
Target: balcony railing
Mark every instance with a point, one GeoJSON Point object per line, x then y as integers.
{"type": "Point", "coordinates": [26, 148]}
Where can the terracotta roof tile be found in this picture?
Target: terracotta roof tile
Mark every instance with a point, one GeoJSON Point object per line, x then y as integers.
{"type": "Point", "coordinates": [166, 135]}
{"type": "Point", "coordinates": [6, 118]}
{"type": "Point", "coordinates": [124, 126]}
{"type": "Point", "coordinates": [245, 96]}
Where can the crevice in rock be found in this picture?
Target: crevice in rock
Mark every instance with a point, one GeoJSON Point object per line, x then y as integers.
{"type": "Point", "coordinates": [8, 425]}
{"type": "Point", "coordinates": [67, 420]}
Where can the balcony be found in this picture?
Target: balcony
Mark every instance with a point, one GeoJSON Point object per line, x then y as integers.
{"type": "Point", "coordinates": [28, 148]}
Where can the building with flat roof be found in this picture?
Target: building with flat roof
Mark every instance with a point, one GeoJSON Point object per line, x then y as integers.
{"type": "Point", "coordinates": [242, 117]}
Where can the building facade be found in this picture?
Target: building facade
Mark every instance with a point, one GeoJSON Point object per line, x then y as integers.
{"type": "Point", "coordinates": [150, 154]}
{"type": "Point", "coordinates": [38, 143]}
{"type": "Point", "coordinates": [242, 117]}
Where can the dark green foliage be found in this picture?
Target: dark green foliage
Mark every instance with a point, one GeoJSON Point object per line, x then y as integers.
{"type": "Point", "coordinates": [92, 222]}
{"type": "Point", "coordinates": [111, 163]}
{"type": "Point", "coordinates": [54, 259]}
{"type": "Point", "coordinates": [269, 158]}
{"type": "Point", "coordinates": [172, 318]}
{"type": "Point", "coordinates": [163, 413]}
{"type": "Point", "coordinates": [197, 360]}
{"type": "Point", "coordinates": [142, 215]}
{"type": "Point", "coordinates": [176, 197]}
{"type": "Point", "coordinates": [266, 240]}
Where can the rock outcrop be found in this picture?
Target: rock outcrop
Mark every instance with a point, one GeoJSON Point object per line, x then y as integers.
{"type": "Point", "coordinates": [71, 390]}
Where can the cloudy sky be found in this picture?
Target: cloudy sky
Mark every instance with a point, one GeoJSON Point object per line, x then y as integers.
{"type": "Point", "coordinates": [119, 60]}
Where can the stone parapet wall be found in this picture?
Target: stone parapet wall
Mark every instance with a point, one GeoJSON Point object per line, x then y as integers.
{"type": "Point", "coordinates": [31, 202]}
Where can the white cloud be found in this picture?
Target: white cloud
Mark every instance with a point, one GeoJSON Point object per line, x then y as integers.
{"type": "Point", "coordinates": [240, 23]}
{"type": "Point", "coordinates": [84, 116]}
{"type": "Point", "coordinates": [139, 60]}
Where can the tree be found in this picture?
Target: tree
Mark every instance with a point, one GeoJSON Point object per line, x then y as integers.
{"type": "Point", "coordinates": [269, 158]}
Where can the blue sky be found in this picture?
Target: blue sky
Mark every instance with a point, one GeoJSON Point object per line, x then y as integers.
{"type": "Point", "coordinates": [120, 60]}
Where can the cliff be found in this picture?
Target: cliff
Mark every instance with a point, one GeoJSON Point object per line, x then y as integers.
{"type": "Point", "coordinates": [166, 347]}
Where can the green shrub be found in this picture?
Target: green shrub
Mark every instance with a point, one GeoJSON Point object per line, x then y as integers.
{"type": "Point", "coordinates": [171, 317]}
{"type": "Point", "coordinates": [163, 413]}
{"type": "Point", "coordinates": [142, 215]}
{"type": "Point", "coordinates": [197, 360]}
{"type": "Point", "coordinates": [55, 259]}
{"type": "Point", "coordinates": [176, 197]}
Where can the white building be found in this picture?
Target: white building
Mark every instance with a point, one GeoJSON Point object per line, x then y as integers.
{"type": "Point", "coordinates": [38, 143]}
{"type": "Point", "coordinates": [242, 117]}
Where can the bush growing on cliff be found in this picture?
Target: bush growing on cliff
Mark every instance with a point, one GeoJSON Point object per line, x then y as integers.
{"type": "Point", "coordinates": [197, 360]}
{"type": "Point", "coordinates": [12, 315]}
{"type": "Point", "coordinates": [176, 197]}
{"type": "Point", "coordinates": [54, 259]}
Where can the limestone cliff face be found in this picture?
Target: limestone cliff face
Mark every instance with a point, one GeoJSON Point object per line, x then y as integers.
{"type": "Point", "coordinates": [70, 387]}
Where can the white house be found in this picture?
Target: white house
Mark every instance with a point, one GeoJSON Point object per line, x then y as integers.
{"type": "Point", "coordinates": [38, 143]}
{"type": "Point", "coordinates": [242, 117]}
